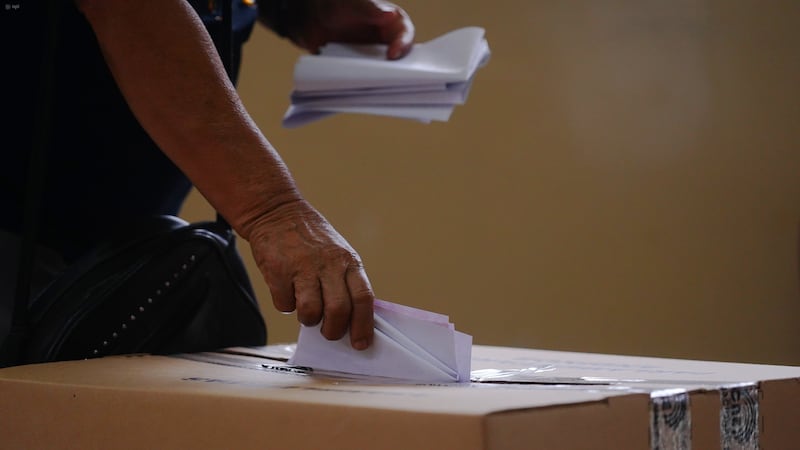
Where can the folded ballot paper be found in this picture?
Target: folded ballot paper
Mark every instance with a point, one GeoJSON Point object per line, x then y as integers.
{"type": "Point", "coordinates": [425, 85]}
{"type": "Point", "coordinates": [410, 344]}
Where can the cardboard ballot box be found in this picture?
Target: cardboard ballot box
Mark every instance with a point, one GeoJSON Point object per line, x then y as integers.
{"type": "Point", "coordinates": [248, 398]}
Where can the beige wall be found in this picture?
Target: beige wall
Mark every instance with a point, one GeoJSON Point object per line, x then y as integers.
{"type": "Point", "coordinates": [624, 178]}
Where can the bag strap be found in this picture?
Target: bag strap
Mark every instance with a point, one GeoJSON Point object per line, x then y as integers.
{"type": "Point", "coordinates": [11, 348]}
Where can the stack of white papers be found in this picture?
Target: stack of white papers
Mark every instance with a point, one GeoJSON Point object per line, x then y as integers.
{"type": "Point", "coordinates": [425, 85]}
{"type": "Point", "coordinates": [410, 344]}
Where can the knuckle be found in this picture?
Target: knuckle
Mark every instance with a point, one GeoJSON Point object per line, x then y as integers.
{"type": "Point", "coordinates": [337, 309]}
{"type": "Point", "coordinates": [341, 255]}
{"type": "Point", "coordinates": [362, 294]}
{"type": "Point", "coordinates": [309, 311]}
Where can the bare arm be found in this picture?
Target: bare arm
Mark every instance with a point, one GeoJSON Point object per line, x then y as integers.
{"type": "Point", "coordinates": [170, 74]}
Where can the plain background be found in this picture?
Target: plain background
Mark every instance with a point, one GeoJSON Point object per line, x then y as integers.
{"type": "Point", "coordinates": [624, 178]}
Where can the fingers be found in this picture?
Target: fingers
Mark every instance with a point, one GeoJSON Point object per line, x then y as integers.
{"type": "Point", "coordinates": [362, 22]}
{"type": "Point", "coordinates": [308, 295]}
{"type": "Point", "coordinates": [340, 297]}
{"type": "Point", "coordinates": [336, 298]}
{"type": "Point", "coordinates": [401, 38]}
{"type": "Point", "coordinates": [339, 302]}
{"type": "Point", "coordinates": [362, 300]}
{"type": "Point", "coordinates": [348, 303]}
{"type": "Point", "coordinates": [395, 29]}
{"type": "Point", "coordinates": [312, 269]}
{"type": "Point", "coordinates": [282, 294]}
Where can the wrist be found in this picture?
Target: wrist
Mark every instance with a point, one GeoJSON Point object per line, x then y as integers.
{"type": "Point", "coordinates": [268, 209]}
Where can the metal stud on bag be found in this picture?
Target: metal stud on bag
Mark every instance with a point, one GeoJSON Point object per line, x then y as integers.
{"type": "Point", "coordinates": [150, 300]}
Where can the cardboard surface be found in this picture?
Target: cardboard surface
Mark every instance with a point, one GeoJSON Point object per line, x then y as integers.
{"type": "Point", "coordinates": [766, 419]}
{"type": "Point", "coordinates": [219, 400]}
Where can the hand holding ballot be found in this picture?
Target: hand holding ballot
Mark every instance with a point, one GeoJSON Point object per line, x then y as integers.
{"type": "Point", "coordinates": [377, 21]}
{"type": "Point", "coordinates": [425, 85]}
{"type": "Point", "coordinates": [311, 24]}
{"type": "Point", "coordinates": [409, 344]}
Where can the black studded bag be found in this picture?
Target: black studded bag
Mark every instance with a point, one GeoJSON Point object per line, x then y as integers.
{"type": "Point", "coordinates": [172, 287]}
{"type": "Point", "coordinates": [164, 286]}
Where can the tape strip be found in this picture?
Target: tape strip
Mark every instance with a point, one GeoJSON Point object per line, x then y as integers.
{"type": "Point", "coordinates": [670, 420]}
{"type": "Point", "coordinates": [739, 417]}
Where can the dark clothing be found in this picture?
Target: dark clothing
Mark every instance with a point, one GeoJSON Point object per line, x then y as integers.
{"type": "Point", "coordinates": [102, 169]}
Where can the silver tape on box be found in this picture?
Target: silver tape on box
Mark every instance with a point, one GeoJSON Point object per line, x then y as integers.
{"type": "Point", "coordinates": [670, 420]}
{"type": "Point", "coordinates": [739, 417]}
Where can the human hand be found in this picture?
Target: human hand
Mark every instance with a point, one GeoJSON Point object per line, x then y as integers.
{"type": "Point", "coordinates": [311, 268]}
{"type": "Point", "coordinates": [314, 23]}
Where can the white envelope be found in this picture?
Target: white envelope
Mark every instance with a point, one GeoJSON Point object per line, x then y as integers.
{"type": "Point", "coordinates": [426, 85]}
{"type": "Point", "coordinates": [410, 344]}
{"type": "Point", "coordinates": [298, 115]}
{"type": "Point", "coordinates": [449, 58]}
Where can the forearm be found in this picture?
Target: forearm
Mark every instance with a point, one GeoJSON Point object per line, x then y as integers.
{"type": "Point", "coordinates": [168, 70]}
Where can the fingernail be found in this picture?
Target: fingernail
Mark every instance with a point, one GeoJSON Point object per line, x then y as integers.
{"type": "Point", "coordinates": [361, 344]}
